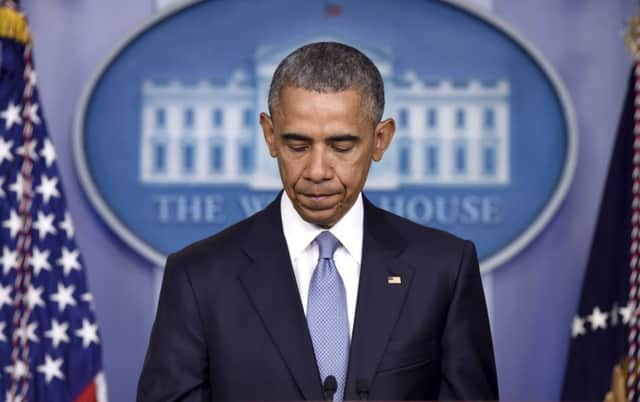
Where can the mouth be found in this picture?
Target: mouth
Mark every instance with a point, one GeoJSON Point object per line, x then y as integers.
{"type": "Point", "coordinates": [318, 201]}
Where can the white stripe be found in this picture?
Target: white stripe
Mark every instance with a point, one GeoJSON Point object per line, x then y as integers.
{"type": "Point", "coordinates": [101, 387]}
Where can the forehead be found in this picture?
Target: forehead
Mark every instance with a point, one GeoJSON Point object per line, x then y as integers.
{"type": "Point", "coordinates": [300, 108]}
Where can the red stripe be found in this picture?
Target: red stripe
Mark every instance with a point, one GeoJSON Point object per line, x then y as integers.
{"type": "Point", "coordinates": [88, 394]}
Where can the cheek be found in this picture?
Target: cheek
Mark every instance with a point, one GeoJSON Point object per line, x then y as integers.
{"type": "Point", "coordinates": [290, 171]}
{"type": "Point", "coordinates": [352, 175]}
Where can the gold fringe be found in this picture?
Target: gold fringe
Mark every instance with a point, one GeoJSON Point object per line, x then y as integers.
{"type": "Point", "coordinates": [14, 26]}
{"type": "Point", "coordinates": [632, 36]}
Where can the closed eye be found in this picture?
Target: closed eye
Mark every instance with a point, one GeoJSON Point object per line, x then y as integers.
{"type": "Point", "coordinates": [343, 143]}
{"type": "Point", "coordinates": [298, 147]}
{"type": "Point", "coordinates": [296, 142]}
{"type": "Point", "coordinates": [342, 148]}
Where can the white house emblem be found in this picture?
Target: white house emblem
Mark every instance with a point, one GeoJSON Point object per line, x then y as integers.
{"type": "Point", "coordinates": [452, 133]}
{"type": "Point", "coordinates": [169, 148]}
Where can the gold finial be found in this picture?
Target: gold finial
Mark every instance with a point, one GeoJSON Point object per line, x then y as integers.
{"type": "Point", "coordinates": [14, 26]}
{"type": "Point", "coordinates": [632, 38]}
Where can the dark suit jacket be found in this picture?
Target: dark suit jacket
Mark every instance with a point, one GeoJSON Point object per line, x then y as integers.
{"type": "Point", "coordinates": [230, 325]}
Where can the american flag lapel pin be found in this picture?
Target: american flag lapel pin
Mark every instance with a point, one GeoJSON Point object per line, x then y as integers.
{"type": "Point", "coordinates": [394, 280]}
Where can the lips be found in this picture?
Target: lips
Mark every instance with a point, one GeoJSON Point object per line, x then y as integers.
{"type": "Point", "coordinates": [318, 201]}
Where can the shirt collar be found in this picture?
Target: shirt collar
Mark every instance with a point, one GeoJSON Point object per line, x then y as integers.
{"type": "Point", "coordinates": [299, 233]}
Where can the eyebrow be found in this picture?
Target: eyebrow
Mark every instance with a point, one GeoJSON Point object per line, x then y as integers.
{"type": "Point", "coordinates": [333, 138]}
{"type": "Point", "coordinates": [295, 137]}
{"type": "Point", "coordinates": [344, 138]}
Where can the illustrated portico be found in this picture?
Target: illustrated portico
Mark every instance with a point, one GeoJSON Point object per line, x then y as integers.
{"type": "Point", "coordinates": [448, 132]}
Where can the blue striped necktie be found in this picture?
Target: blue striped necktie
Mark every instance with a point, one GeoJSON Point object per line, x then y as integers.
{"type": "Point", "coordinates": [327, 315]}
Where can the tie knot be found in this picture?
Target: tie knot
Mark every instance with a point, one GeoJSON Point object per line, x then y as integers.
{"type": "Point", "coordinates": [327, 244]}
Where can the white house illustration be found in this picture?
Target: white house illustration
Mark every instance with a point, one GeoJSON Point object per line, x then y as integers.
{"type": "Point", "coordinates": [448, 132]}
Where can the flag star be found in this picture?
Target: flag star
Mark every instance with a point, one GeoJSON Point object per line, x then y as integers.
{"type": "Point", "coordinates": [32, 145]}
{"type": "Point", "coordinates": [13, 223]}
{"type": "Point", "coordinates": [11, 115]}
{"type": "Point", "coordinates": [69, 260]}
{"type": "Point", "coordinates": [48, 152]}
{"type": "Point", "coordinates": [17, 186]}
{"type": "Point", "coordinates": [40, 260]}
{"type": "Point", "coordinates": [18, 370]}
{"type": "Point", "coordinates": [44, 224]}
{"type": "Point", "coordinates": [3, 338]}
{"type": "Point", "coordinates": [34, 297]}
{"type": "Point", "coordinates": [47, 187]}
{"type": "Point", "coordinates": [625, 312]}
{"type": "Point", "coordinates": [33, 113]}
{"type": "Point", "coordinates": [577, 328]}
{"type": "Point", "coordinates": [58, 332]}
{"type": "Point", "coordinates": [5, 295]}
{"type": "Point", "coordinates": [88, 297]}
{"type": "Point", "coordinates": [9, 260]}
{"type": "Point", "coordinates": [2, 194]}
{"type": "Point", "coordinates": [5, 150]}
{"type": "Point", "coordinates": [598, 319]}
{"type": "Point", "coordinates": [28, 332]}
{"type": "Point", "coordinates": [64, 296]}
{"type": "Point", "coordinates": [67, 225]}
{"type": "Point", "coordinates": [88, 333]}
{"type": "Point", "coordinates": [51, 368]}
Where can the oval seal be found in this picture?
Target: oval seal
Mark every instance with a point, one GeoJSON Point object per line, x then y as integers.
{"type": "Point", "coordinates": [169, 150]}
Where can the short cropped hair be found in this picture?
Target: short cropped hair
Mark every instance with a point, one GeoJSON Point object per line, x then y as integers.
{"type": "Point", "coordinates": [330, 67]}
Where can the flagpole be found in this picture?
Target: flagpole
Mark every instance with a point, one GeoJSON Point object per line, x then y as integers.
{"type": "Point", "coordinates": [20, 352]}
{"type": "Point", "coordinates": [632, 384]}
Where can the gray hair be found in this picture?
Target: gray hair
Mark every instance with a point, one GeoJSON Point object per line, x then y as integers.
{"type": "Point", "coordinates": [330, 67]}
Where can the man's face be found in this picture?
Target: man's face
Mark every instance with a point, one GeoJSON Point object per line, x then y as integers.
{"type": "Point", "coordinates": [324, 143]}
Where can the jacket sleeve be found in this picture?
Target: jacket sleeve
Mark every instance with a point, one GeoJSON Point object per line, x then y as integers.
{"type": "Point", "coordinates": [468, 364]}
{"type": "Point", "coordinates": [176, 363]}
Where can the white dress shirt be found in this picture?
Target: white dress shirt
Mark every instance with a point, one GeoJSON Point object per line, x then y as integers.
{"type": "Point", "coordinates": [303, 250]}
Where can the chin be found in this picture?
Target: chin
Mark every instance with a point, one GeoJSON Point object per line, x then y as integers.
{"type": "Point", "coordinates": [325, 218]}
{"type": "Point", "coordinates": [323, 221]}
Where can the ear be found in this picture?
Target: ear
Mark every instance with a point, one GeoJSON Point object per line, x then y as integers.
{"type": "Point", "coordinates": [269, 134]}
{"type": "Point", "coordinates": [382, 137]}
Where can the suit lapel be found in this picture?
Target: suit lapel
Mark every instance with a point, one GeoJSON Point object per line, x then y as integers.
{"type": "Point", "coordinates": [271, 286]}
{"type": "Point", "coordinates": [379, 303]}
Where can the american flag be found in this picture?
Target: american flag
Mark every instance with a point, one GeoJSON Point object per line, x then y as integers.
{"type": "Point", "coordinates": [50, 348]}
{"type": "Point", "coordinates": [600, 328]}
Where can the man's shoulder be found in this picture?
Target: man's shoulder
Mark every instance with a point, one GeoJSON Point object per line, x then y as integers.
{"type": "Point", "coordinates": [417, 233]}
{"type": "Point", "coordinates": [222, 245]}
{"type": "Point", "coordinates": [434, 253]}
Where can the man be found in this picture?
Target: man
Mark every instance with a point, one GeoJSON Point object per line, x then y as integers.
{"type": "Point", "coordinates": [322, 295]}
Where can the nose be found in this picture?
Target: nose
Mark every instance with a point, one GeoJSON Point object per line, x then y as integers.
{"type": "Point", "coordinates": [319, 167]}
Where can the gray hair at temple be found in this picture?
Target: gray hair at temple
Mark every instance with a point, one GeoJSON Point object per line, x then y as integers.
{"type": "Point", "coordinates": [330, 67]}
